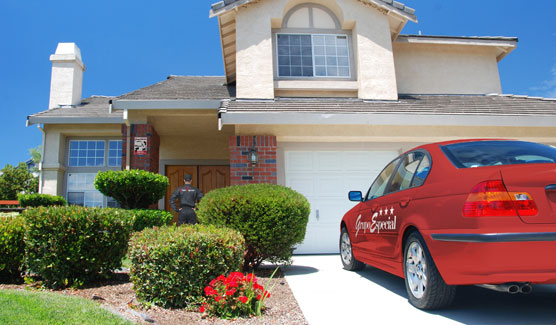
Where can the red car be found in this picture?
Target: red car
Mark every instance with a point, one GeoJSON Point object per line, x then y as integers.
{"type": "Point", "coordinates": [473, 212]}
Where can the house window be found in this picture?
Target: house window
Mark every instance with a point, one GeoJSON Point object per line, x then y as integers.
{"type": "Point", "coordinates": [311, 44]}
{"type": "Point", "coordinates": [81, 190]}
{"type": "Point", "coordinates": [313, 55]}
{"type": "Point", "coordinates": [115, 153]}
{"type": "Point", "coordinates": [85, 159]}
{"type": "Point", "coordinates": [85, 153]}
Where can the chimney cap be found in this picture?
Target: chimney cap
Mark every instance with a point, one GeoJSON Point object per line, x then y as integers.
{"type": "Point", "coordinates": [67, 52]}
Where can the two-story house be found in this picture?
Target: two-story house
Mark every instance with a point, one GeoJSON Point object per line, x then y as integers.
{"type": "Point", "coordinates": [317, 95]}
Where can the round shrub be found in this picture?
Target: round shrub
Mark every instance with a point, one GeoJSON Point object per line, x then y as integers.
{"type": "Point", "coordinates": [37, 200]}
{"type": "Point", "coordinates": [132, 189]}
{"type": "Point", "coordinates": [172, 264]}
{"type": "Point", "coordinates": [12, 247]}
{"type": "Point", "coordinates": [71, 246]}
{"type": "Point", "coordinates": [144, 218]}
{"type": "Point", "coordinates": [271, 218]}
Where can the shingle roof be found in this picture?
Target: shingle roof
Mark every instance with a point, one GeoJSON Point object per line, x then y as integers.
{"type": "Point", "coordinates": [173, 88]}
{"type": "Point", "coordinates": [225, 5]}
{"type": "Point", "coordinates": [502, 105]}
{"type": "Point", "coordinates": [185, 87]}
{"type": "Point", "coordinates": [95, 106]}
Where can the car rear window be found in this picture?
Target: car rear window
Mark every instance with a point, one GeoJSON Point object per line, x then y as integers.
{"type": "Point", "coordinates": [492, 153]}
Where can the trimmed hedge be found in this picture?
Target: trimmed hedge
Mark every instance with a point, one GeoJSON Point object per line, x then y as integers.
{"type": "Point", "coordinates": [132, 189]}
{"type": "Point", "coordinates": [271, 218]}
{"type": "Point", "coordinates": [71, 246]}
{"type": "Point", "coordinates": [12, 247]}
{"type": "Point", "coordinates": [37, 200]}
{"type": "Point", "coordinates": [150, 218]}
{"type": "Point", "coordinates": [172, 264]}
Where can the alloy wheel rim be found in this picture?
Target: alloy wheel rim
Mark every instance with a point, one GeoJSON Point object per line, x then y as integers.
{"type": "Point", "coordinates": [416, 270]}
{"type": "Point", "coordinates": [345, 249]}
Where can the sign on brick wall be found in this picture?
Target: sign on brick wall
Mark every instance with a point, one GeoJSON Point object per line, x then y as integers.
{"type": "Point", "coordinates": [140, 146]}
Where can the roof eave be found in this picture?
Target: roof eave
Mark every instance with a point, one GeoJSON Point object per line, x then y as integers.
{"type": "Point", "coordinates": [72, 120]}
{"type": "Point", "coordinates": [130, 104]}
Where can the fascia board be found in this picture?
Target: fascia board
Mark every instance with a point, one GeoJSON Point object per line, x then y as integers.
{"type": "Point", "coordinates": [298, 118]}
{"type": "Point", "coordinates": [165, 104]}
{"type": "Point", "coordinates": [73, 120]}
{"type": "Point", "coordinates": [509, 42]}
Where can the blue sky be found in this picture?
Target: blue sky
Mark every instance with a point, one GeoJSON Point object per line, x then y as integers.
{"type": "Point", "coordinates": [127, 45]}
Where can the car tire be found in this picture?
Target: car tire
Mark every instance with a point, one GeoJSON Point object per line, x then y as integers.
{"type": "Point", "coordinates": [346, 253]}
{"type": "Point", "coordinates": [424, 284]}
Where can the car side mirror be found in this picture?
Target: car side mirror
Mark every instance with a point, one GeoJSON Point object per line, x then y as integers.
{"type": "Point", "coordinates": [355, 196]}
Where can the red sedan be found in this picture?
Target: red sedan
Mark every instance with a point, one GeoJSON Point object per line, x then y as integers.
{"type": "Point", "coordinates": [473, 212]}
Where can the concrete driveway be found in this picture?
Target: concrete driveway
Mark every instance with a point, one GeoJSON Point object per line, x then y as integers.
{"type": "Point", "coordinates": [328, 294]}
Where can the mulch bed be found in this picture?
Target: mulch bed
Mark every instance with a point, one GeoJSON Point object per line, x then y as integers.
{"type": "Point", "coordinates": [117, 295]}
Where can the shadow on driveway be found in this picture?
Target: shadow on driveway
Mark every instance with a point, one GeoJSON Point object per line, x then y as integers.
{"type": "Point", "coordinates": [474, 305]}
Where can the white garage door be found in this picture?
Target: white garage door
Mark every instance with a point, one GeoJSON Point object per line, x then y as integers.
{"type": "Point", "coordinates": [325, 178]}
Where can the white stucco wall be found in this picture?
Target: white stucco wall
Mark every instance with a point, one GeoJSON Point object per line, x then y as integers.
{"type": "Point", "coordinates": [446, 69]}
{"type": "Point", "coordinates": [370, 33]}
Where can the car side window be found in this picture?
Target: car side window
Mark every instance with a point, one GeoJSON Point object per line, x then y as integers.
{"type": "Point", "coordinates": [422, 172]}
{"type": "Point", "coordinates": [405, 171]}
{"type": "Point", "coordinates": [380, 183]}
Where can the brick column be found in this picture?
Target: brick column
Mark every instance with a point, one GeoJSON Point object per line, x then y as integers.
{"type": "Point", "coordinates": [241, 171]}
{"type": "Point", "coordinates": [149, 161]}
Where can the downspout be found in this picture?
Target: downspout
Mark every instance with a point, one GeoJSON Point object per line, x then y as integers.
{"type": "Point", "coordinates": [128, 141]}
{"type": "Point", "coordinates": [42, 157]}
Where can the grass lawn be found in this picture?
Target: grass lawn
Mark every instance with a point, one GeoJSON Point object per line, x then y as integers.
{"type": "Point", "coordinates": [28, 307]}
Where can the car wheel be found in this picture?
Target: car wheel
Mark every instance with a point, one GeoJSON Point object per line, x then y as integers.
{"type": "Point", "coordinates": [346, 253]}
{"type": "Point", "coordinates": [424, 284]}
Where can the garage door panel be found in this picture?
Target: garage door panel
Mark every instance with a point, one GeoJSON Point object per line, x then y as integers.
{"type": "Point", "coordinates": [325, 177]}
{"type": "Point", "coordinates": [328, 161]}
{"type": "Point", "coordinates": [299, 161]}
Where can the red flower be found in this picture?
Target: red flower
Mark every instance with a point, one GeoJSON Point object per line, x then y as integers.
{"type": "Point", "coordinates": [257, 286]}
{"type": "Point", "coordinates": [212, 283]}
{"type": "Point", "coordinates": [217, 298]}
{"type": "Point", "coordinates": [230, 292]}
{"type": "Point", "coordinates": [243, 299]}
{"type": "Point", "coordinates": [232, 284]}
{"type": "Point", "coordinates": [209, 291]}
{"type": "Point", "coordinates": [202, 309]}
{"type": "Point", "coordinates": [221, 278]}
{"type": "Point", "coordinates": [258, 297]}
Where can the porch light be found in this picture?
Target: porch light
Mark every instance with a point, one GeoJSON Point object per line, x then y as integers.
{"type": "Point", "coordinates": [253, 156]}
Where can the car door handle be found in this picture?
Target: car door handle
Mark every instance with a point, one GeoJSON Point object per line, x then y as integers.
{"type": "Point", "coordinates": [404, 201]}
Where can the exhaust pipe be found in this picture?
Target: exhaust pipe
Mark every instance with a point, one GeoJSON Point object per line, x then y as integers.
{"type": "Point", "coordinates": [511, 288]}
{"type": "Point", "coordinates": [526, 288]}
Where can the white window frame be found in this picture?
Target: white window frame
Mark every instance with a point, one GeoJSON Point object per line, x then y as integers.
{"type": "Point", "coordinates": [314, 66]}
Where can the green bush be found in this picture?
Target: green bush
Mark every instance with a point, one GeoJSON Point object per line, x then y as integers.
{"type": "Point", "coordinates": [71, 246]}
{"type": "Point", "coordinates": [37, 200]}
{"type": "Point", "coordinates": [172, 264]}
{"type": "Point", "coordinates": [144, 218]}
{"type": "Point", "coordinates": [12, 247]}
{"type": "Point", "coordinates": [132, 189]}
{"type": "Point", "coordinates": [271, 218]}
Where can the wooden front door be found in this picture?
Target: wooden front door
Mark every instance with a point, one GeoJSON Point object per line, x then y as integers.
{"type": "Point", "coordinates": [206, 178]}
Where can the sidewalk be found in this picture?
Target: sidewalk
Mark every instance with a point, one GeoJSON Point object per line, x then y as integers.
{"type": "Point", "coordinates": [328, 294]}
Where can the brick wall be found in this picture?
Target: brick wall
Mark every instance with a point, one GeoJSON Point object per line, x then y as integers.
{"type": "Point", "coordinates": [241, 171]}
{"type": "Point", "coordinates": [150, 161]}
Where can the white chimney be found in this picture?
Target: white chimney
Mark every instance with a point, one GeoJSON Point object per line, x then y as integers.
{"type": "Point", "coordinates": [67, 76]}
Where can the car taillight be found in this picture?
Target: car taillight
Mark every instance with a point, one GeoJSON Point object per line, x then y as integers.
{"type": "Point", "coordinates": [492, 199]}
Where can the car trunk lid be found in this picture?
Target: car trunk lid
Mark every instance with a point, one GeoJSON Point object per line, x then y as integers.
{"type": "Point", "coordinates": [539, 181]}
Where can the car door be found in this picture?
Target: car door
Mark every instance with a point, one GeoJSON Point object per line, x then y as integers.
{"type": "Point", "coordinates": [365, 235]}
{"type": "Point", "coordinates": [395, 205]}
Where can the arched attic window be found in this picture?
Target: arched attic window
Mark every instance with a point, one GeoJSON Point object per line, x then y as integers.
{"type": "Point", "coordinates": [311, 44]}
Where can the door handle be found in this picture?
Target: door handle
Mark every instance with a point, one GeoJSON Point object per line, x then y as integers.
{"type": "Point", "coordinates": [404, 202]}
{"type": "Point", "coordinates": [374, 207]}
{"type": "Point", "coordinates": [317, 214]}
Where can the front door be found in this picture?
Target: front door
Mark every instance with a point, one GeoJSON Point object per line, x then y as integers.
{"type": "Point", "coordinates": [206, 178]}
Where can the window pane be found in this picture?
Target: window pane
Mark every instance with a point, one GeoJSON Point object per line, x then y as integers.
{"type": "Point", "coordinates": [404, 174]}
{"type": "Point", "coordinates": [295, 71]}
{"type": "Point", "coordinates": [319, 50]}
{"type": "Point", "coordinates": [318, 39]}
{"type": "Point", "coordinates": [76, 198]}
{"type": "Point", "coordinates": [422, 172]}
{"type": "Point", "coordinates": [283, 60]}
{"type": "Point", "coordinates": [306, 40]}
{"type": "Point", "coordinates": [115, 153]}
{"type": "Point", "coordinates": [307, 72]}
{"type": "Point", "coordinates": [284, 71]}
{"type": "Point", "coordinates": [343, 71]}
{"type": "Point", "coordinates": [379, 185]}
{"type": "Point", "coordinates": [306, 50]}
{"type": "Point", "coordinates": [320, 71]}
{"type": "Point", "coordinates": [283, 40]}
{"type": "Point", "coordinates": [295, 60]}
{"type": "Point", "coordinates": [86, 153]}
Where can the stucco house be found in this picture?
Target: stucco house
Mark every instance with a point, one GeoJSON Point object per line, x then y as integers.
{"type": "Point", "coordinates": [317, 95]}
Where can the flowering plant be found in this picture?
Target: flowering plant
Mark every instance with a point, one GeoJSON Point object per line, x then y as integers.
{"type": "Point", "coordinates": [234, 296]}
